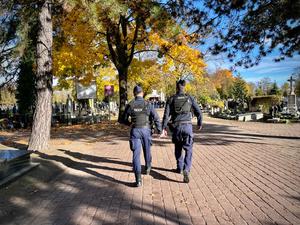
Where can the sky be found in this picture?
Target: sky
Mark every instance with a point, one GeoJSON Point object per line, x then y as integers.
{"type": "Point", "coordinates": [276, 71]}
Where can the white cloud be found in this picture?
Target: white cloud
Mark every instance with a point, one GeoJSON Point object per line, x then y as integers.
{"type": "Point", "coordinates": [267, 65]}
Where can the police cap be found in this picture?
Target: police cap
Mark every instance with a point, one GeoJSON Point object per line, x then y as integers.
{"type": "Point", "coordinates": [180, 84]}
{"type": "Point", "coordinates": [137, 89]}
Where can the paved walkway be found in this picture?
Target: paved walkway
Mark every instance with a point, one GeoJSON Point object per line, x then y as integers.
{"type": "Point", "coordinates": [243, 173]}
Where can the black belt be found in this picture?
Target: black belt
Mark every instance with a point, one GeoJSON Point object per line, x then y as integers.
{"type": "Point", "coordinates": [146, 126]}
{"type": "Point", "coordinates": [181, 122]}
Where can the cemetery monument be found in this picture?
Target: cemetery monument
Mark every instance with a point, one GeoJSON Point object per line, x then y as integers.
{"type": "Point", "coordinates": [292, 99]}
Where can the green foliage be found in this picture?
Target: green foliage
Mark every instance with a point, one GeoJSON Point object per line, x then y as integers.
{"type": "Point", "coordinates": [26, 93]}
{"type": "Point", "coordinates": [9, 21]}
{"type": "Point", "coordinates": [263, 87]}
{"type": "Point", "coordinates": [275, 90]}
{"type": "Point", "coordinates": [239, 89]}
{"type": "Point", "coordinates": [7, 95]}
{"type": "Point", "coordinates": [285, 89]}
{"type": "Point", "coordinates": [246, 27]}
{"type": "Point", "coordinates": [17, 19]}
{"type": "Point", "coordinates": [297, 88]}
{"type": "Point", "coordinates": [297, 83]}
{"type": "Point", "coordinates": [26, 83]}
{"type": "Point", "coordinates": [259, 91]}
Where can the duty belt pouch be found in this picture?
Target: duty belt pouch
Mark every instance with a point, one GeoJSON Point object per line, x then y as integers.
{"type": "Point", "coordinates": [171, 127]}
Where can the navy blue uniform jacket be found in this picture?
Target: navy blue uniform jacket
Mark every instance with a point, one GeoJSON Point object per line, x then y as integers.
{"type": "Point", "coordinates": [153, 116]}
{"type": "Point", "coordinates": [181, 117]}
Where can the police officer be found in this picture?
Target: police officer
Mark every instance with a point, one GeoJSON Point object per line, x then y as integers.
{"type": "Point", "coordinates": [142, 114]}
{"type": "Point", "coordinates": [178, 113]}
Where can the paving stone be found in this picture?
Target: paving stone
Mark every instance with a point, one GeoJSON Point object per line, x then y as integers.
{"type": "Point", "coordinates": [242, 173]}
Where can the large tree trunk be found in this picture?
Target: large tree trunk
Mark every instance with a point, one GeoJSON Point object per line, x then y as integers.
{"type": "Point", "coordinates": [122, 91]}
{"type": "Point", "coordinates": [40, 133]}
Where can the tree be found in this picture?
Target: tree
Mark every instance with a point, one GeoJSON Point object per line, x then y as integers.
{"type": "Point", "coordinates": [223, 80]}
{"type": "Point", "coordinates": [251, 89]}
{"type": "Point", "coordinates": [25, 84]}
{"type": "Point", "coordinates": [297, 87]}
{"type": "Point", "coordinates": [259, 90]}
{"type": "Point", "coordinates": [7, 95]}
{"type": "Point", "coordinates": [256, 28]}
{"type": "Point", "coordinates": [239, 89]}
{"type": "Point", "coordinates": [124, 26]}
{"type": "Point", "coordinates": [106, 76]}
{"type": "Point", "coordinates": [296, 74]}
{"type": "Point", "coordinates": [40, 133]}
{"type": "Point", "coordinates": [120, 31]}
{"type": "Point", "coordinates": [26, 77]}
{"type": "Point", "coordinates": [275, 89]}
{"type": "Point", "coordinates": [265, 85]}
{"type": "Point", "coordinates": [285, 89]}
{"type": "Point", "coordinates": [146, 73]}
{"type": "Point", "coordinates": [10, 47]}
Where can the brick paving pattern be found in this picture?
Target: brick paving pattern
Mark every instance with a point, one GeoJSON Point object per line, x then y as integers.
{"type": "Point", "coordinates": [243, 173]}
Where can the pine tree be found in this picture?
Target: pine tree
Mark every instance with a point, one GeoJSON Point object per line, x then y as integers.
{"type": "Point", "coordinates": [26, 80]}
{"type": "Point", "coordinates": [239, 89]}
{"type": "Point", "coordinates": [40, 133]}
{"type": "Point", "coordinates": [25, 84]}
{"type": "Point", "coordinates": [275, 89]}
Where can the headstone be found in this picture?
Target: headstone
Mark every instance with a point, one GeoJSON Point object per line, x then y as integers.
{"type": "Point", "coordinates": [69, 105]}
{"type": "Point", "coordinates": [60, 108]}
{"type": "Point", "coordinates": [226, 105]}
{"type": "Point", "coordinates": [14, 163]}
{"type": "Point", "coordinates": [69, 109]}
{"type": "Point", "coordinates": [244, 117]}
{"type": "Point", "coordinates": [292, 99]}
{"type": "Point", "coordinates": [273, 120]}
{"type": "Point", "coordinates": [257, 116]}
{"type": "Point", "coordinates": [240, 117]}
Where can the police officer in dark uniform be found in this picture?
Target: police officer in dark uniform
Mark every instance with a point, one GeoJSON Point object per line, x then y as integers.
{"type": "Point", "coordinates": [181, 107]}
{"type": "Point", "coordinates": [142, 114]}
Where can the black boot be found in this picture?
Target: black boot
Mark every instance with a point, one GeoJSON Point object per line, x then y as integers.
{"type": "Point", "coordinates": [178, 170]}
{"type": "Point", "coordinates": [138, 180]}
{"type": "Point", "coordinates": [186, 178]}
{"type": "Point", "coordinates": [148, 169]}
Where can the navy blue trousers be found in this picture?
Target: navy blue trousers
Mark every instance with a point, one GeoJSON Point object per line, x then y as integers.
{"type": "Point", "coordinates": [140, 138]}
{"type": "Point", "coordinates": [182, 138]}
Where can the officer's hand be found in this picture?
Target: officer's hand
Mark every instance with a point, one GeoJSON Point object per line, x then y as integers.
{"type": "Point", "coordinates": [164, 133]}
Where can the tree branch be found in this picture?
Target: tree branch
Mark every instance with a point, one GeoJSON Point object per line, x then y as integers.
{"type": "Point", "coordinates": [111, 49]}
{"type": "Point", "coordinates": [134, 42]}
{"type": "Point", "coordinates": [146, 50]}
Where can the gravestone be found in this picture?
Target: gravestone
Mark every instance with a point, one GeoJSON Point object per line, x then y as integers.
{"type": "Point", "coordinates": [291, 98]}
{"type": "Point", "coordinates": [69, 106]}
{"type": "Point", "coordinates": [14, 163]}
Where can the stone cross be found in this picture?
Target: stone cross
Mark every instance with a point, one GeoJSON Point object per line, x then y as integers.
{"type": "Point", "coordinates": [292, 89]}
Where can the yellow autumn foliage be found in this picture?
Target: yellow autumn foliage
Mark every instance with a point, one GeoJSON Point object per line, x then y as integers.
{"type": "Point", "coordinates": [81, 53]}
{"type": "Point", "coordinates": [179, 60]}
{"type": "Point", "coordinates": [106, 76]}
{"type": "Point", "coordinates": [78, 53]}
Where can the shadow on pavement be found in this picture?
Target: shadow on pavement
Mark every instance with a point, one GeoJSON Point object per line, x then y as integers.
{"type": "Point", "coordinates": [297, 198]}
{"type": "Point", "coordinates": [213, 134]}
{"type": "Point", "coordinates": [85, 167]}
{"type": "Point", "coordinates": [50, 196]}
{"type": "Point", "coordinates": [108, 131]}
{"type": "Point", "coordinates": [82, 166]}
{"type": "Point", "coordinates": [93, 158]}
